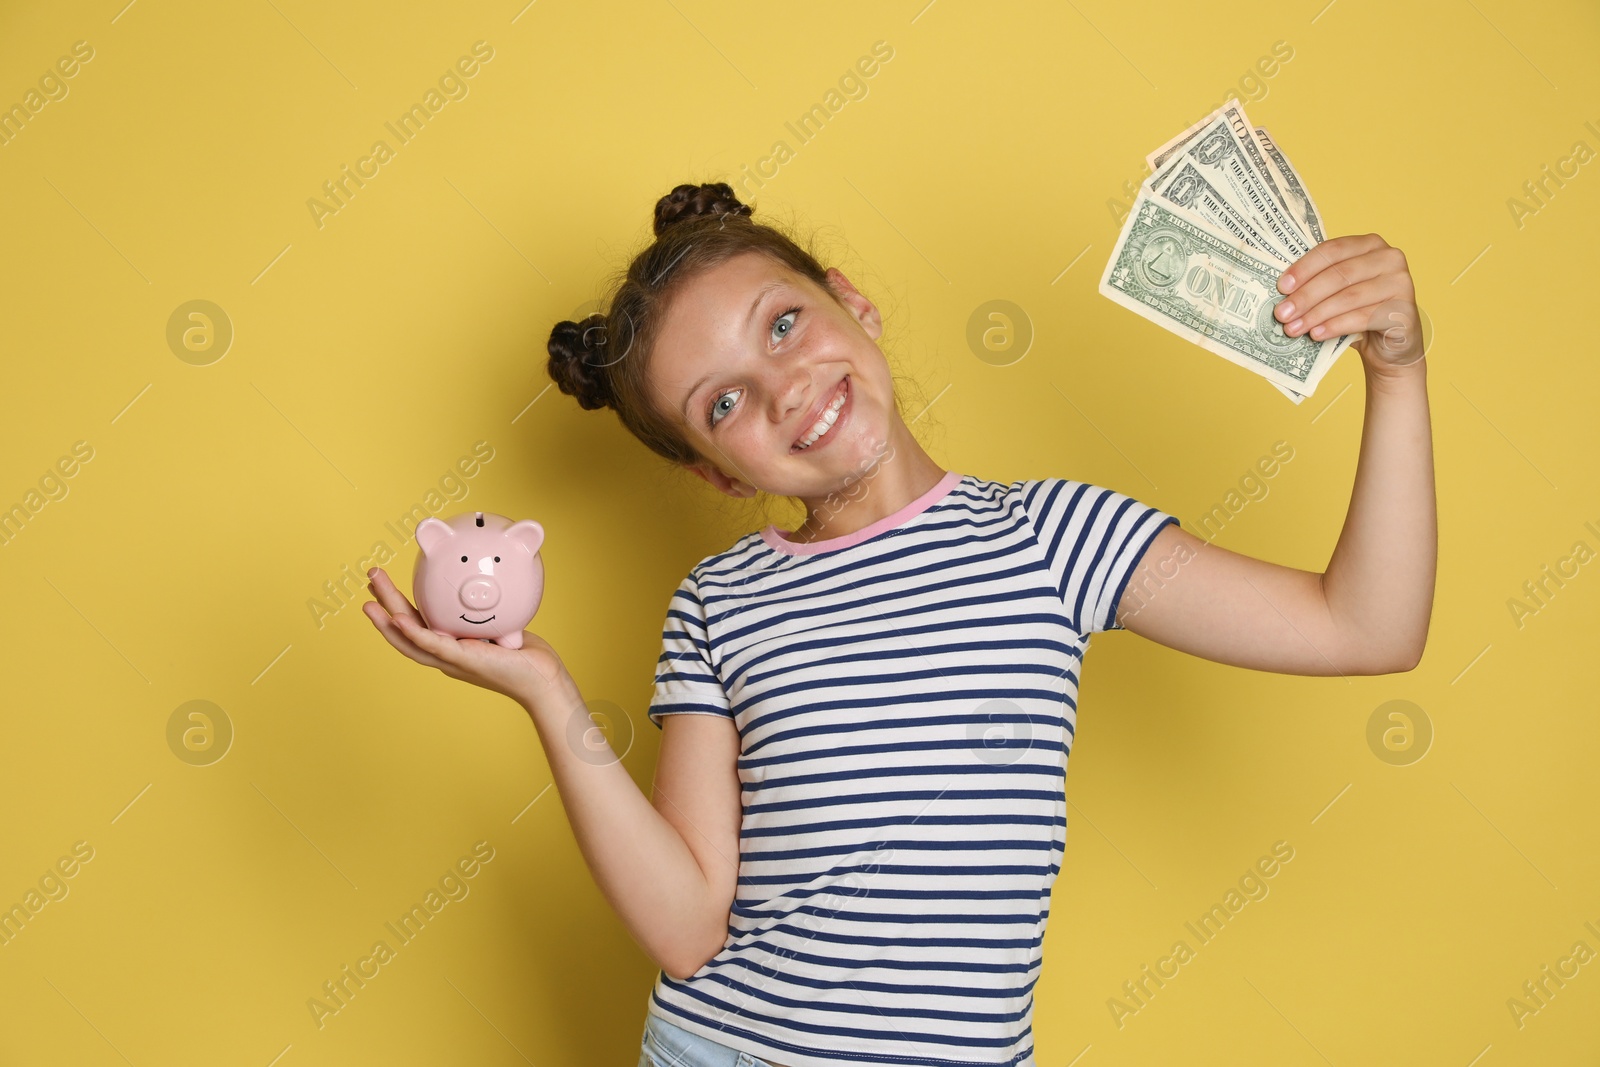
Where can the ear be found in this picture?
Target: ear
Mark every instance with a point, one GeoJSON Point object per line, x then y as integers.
{"type": "Point", "coordinates": [864, 310]}
{"type": "Point", "coordinates": [529, 533]}
{"type": "Point", "coordinates": [431, 533]}
{"type": "Point", "coordinates": [723, 483]}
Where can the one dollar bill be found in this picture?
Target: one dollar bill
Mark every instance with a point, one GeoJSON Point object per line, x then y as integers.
{"type": "Point", "coordinates": [1178, 272]}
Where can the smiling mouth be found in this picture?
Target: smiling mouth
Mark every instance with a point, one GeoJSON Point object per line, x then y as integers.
{"type": "Point", "coordinates": [475, 622]}
{"type": "Point", "coordinates": [841, 397]}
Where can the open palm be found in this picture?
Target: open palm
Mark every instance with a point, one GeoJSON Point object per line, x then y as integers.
{"type": "Point", "coordinates": [522, 674]}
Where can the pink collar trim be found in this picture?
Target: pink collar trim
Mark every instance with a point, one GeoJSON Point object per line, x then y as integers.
{"type": "Point", "coordinates": [775, 537]}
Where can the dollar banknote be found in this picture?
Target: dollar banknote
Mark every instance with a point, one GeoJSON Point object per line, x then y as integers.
{"type": "Point", "coordinates": [1213, 226]}
{"type": "Point", "coordinates": [1186, 187]}
{"type": "Point", "coordinates": [1178, 272]}
{"type": "Point", "coordinates": [1299, 200]}
{"type": "Point", "coordinates": [1230, 161]}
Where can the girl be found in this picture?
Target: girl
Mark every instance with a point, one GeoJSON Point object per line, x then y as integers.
{"type": "Point", "coordinates": [858, 809]}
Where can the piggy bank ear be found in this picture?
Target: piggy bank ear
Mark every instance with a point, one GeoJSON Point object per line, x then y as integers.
{"type": "Point", "coordinates": [529, 533]}
{"type": "Point", "coordinates": [431, 533]}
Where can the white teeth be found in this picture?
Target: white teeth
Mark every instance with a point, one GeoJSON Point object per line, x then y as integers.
{"type": "Point", "coordinates": [829, 416]}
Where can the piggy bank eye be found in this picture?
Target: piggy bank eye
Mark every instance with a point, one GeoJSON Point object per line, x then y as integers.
{"type": "Point", "coordinates": [497, 559]}
{"type": "Point", "coordinates": [463, 559]}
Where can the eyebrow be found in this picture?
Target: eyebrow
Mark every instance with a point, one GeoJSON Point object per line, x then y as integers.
{"type": "Point", "coordinates": [760, 295]}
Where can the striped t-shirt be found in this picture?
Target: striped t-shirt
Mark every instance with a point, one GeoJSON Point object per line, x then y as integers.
{"type": "Point", "coordinates": [905, 697]}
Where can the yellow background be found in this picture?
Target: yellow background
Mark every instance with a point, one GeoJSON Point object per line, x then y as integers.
{"type": "Point", "coordinates": [371, 353]}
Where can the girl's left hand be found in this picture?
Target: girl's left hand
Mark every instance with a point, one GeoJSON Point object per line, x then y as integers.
{"type": "Point", "coordinates": [1355, 284]}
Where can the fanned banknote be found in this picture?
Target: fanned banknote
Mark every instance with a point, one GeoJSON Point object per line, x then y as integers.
{"type": "Point", "coordinates": [1179, 272]}
{"type": "Point", "coordinates": [1220, 216]}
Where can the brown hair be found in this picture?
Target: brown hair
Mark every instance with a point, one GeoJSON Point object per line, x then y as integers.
{"type": "Point", "coordinates": [603, 360]}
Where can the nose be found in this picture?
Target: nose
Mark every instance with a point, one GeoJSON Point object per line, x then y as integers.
{"type": "Point", "coordinates": [790, 391]}
{"type": "Point", "coordinates": [481, 592]}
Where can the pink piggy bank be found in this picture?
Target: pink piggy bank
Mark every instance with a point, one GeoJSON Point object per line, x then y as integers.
{"type": "Point", "coordinates": [479, 575]}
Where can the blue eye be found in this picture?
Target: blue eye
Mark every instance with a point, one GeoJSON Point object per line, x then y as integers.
{"type": "Point", "coordinates": [718, 409]}
{"type": "Point", "coordinates": [780, 318]}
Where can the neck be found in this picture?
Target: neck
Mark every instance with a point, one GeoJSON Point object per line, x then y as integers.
{"type": "Point", "coordinates": [904, 473]}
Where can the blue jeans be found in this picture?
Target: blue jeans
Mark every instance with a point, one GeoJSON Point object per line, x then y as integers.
{"type": "Point", "coordinates": [666, 1045]}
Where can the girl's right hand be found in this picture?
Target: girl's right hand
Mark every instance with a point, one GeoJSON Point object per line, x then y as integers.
{"type": "Point", "coordinates": [525, 674]}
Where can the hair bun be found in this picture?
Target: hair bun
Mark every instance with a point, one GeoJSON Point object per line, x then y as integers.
{"type": "Point", "coordinates": [694, 201]}
{"type": "Point", "coordinates": [578, 361]}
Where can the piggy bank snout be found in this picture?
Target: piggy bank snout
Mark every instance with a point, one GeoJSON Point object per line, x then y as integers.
{"type": "Point", "coordinates": [480, 592]}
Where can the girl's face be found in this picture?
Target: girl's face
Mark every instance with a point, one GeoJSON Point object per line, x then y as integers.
{"type": "Point", "coordinates": [750, 358]}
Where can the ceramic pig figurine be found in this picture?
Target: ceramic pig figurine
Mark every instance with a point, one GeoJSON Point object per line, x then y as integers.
{"type": "Point", "coordinates": [479, 575]}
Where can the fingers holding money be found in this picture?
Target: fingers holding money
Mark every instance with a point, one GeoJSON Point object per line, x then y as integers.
{"type": "Point", "coordinates": [1364, 303]}
{"type": "Point", "coordinates": [1325, 256]}
{"type": "Point", "coordinates": [1357, 285]}
{"type": "Point", "coordinates": [1309, 311]}
{"type": "Point", "coordinates": [1337, 276]}
{"type": "Point", "coordinates": [1387, 332]}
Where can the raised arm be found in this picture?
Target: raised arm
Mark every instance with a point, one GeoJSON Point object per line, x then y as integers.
{"type": "Point", "coordinates": [1368, 612]}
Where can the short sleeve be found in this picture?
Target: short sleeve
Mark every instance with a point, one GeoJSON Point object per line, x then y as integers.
{"type": "Point", "coordinates": [1092, 539]}
{"type": "Point", "coordinates": [686, 682]}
